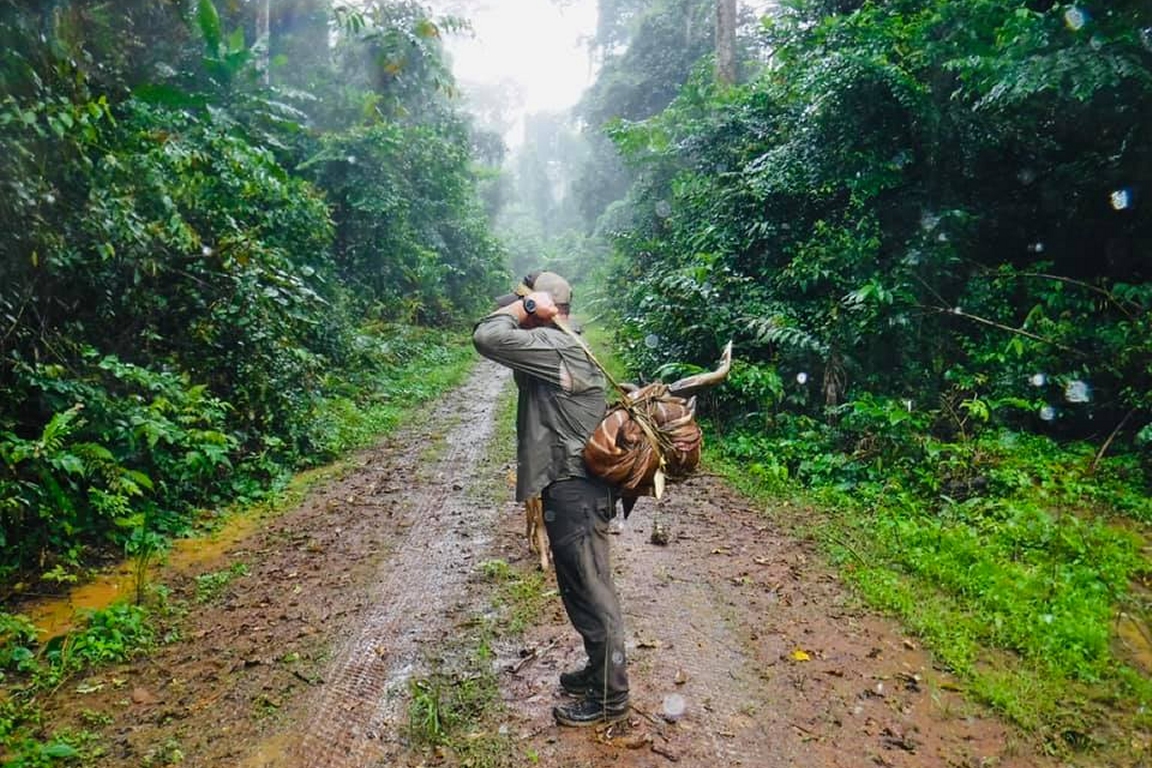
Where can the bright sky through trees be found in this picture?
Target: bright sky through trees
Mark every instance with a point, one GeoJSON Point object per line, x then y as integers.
{"type": "Point", "coordinates": [539, 45]}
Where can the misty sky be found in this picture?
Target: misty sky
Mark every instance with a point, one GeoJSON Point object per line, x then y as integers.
{"type": "Point", "coordinates": [537, 44]}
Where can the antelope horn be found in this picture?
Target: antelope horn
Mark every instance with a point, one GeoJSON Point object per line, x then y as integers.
{"type": "Point", "coordinates": [692, 384]}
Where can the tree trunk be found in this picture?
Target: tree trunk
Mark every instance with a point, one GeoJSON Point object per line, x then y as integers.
{"type": "Point", "coordinates": [264, 34]}
{"type": "Point", "coordinates": [726, 41]}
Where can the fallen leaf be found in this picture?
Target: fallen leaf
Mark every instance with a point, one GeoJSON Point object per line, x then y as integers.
{"type": "Point", "coordinates": [761, 561]}
{"type": "Point", "coordinates": [89, 687]}
{"type": "Point", "coordinates": [800, 655]}
{"type": "Point", "coordinates": [141, 695]}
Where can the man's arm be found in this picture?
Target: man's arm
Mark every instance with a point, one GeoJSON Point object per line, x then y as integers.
{"type": "Point", "coordinates": [507, 337]}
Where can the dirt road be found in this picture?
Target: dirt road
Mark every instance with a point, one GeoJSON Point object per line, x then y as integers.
{"type": "Point", "coordinates": [744, 648]}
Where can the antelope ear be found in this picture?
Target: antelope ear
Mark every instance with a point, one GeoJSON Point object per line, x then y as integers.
{"type": "Point", "coordinates": [691, 405]}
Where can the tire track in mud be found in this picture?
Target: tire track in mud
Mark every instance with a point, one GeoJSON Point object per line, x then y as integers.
{"type": "Point", "coordinates": [354, 719]}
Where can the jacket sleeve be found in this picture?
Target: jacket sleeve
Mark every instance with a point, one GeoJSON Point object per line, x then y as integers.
{"type": "Point", "coordinates": [535, 351]}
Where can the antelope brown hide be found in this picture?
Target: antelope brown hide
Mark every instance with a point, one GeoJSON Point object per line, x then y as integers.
{"type": "Point", "coordinates": [620, 452]}
{"type": "Point", "coordinates": [654, 423]}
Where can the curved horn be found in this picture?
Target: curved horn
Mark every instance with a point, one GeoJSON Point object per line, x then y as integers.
{"type": "Point", "coordinates": [686, 387]}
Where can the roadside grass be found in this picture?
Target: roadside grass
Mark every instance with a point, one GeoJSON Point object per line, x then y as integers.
{"type": "Point", "coordinates": [1017, 591]}
{"type": "Point", "coordinates": [32, 671]}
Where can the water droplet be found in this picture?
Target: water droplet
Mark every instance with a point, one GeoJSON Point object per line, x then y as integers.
{"type": "Point", "coordinates": [617, 657]}
{"type": "Point", "coordinates": [1121, 199]}
{"type": "Point", "coordinates": [1075, 18]}
{"type": "Point", "coordinates": [651, 341]}
{"type": "Point", "coordinates": [663, 209]}
{"type": "Point", "coordinates": [206, 250]}
{"type": "Point", "coordinates": [1047, 413]}
{"type": "Point", "coordinates": [802, 378]}
{"type": "Point", "coordinates": [1036, 247]}
{"type": "Point", "coordinates": [674, 706]}
{"type": "Point", "coordinates": [1077, 391]}
{"type": "Point", "coordinates": [1038, 379]}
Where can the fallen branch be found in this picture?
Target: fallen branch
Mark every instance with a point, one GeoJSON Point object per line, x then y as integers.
{"type": "Point", "coordinates": [537, 653]}
{"type": "Point", "coordinates": [1107, 443]}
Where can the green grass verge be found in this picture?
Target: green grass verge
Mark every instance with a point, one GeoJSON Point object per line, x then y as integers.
{"type": "Point", "coordinates": [1015, 592]}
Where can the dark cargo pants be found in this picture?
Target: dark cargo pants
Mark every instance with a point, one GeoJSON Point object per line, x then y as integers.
{"type": "Point", "coordinates": [576, 514]}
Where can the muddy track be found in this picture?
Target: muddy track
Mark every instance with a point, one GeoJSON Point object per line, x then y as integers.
{"type": "Point", "coordinates": [744, 649]}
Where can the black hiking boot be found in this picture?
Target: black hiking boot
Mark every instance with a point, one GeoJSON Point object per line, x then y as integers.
{"type": "Point", "coordinates": [577, 683]}
{"type": "Point", "coordinates": [591, 712]}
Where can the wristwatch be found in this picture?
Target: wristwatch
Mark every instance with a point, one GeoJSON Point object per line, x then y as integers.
{"type": "Point", "coordinates": [529, 305]}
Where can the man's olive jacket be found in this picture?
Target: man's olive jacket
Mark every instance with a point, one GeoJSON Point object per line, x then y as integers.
{"type": "Point", "coordinates": [561, 398]}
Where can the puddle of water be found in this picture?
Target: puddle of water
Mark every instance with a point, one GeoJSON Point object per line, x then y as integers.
{"type": "Point", "coordinates": [271, 753]}
{"type": "Point", "coordinates": [1135, 640]}
{"type": "Point", "coordinates": [56, 616]}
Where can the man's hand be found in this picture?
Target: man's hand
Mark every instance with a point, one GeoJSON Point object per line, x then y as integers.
{"type": "Point", "coordinates": [544, 310]}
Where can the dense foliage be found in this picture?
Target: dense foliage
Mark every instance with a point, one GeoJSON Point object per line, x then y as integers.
{"type": "Point", "coordinates": [203, 209]}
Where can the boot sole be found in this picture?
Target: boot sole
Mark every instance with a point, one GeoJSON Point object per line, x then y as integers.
{"type": "Point", "coordinates": [606, 717]}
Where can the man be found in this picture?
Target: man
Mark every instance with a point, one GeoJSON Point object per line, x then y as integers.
{"type": "Point", "coordinates": [561, 401]}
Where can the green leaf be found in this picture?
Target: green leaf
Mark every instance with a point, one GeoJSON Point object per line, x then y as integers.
{"type": "Point", "coordinates": [209, 21]}
{"type": "Point", "coordinates": [236, 40]}
{"type": "Point", "coordinates": [59, 749]}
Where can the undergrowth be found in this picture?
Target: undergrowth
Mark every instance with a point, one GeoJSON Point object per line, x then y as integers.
{"type": "Point", "coordinates": [1006, 553]}
{"type": "Point", "coordinates": [420, 366]}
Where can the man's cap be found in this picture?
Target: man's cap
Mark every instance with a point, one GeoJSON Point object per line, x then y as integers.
{"type": "Point", "coordinates": [548, 282]}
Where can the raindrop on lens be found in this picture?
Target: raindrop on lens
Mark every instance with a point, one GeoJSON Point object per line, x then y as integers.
{"type": "Point", "coordinates": [1037, 379]}
{"type": "Point", "coordinates": [1096, 42]}
{"type": "Point", "coordinates": [674, 706]}
{"type": "Point", "coordinates": [663, 209]}
{"type": "Point", "coordinates": [1075, 18]}
{"type": "Point", "coordinates": [651, 341]}
{"type": "Point", "coordinates": [802, 378]}
{"type": "Point", "coordinates": [1077, 391]}
{"type": "Point", "coordinates": [1047, 413]}
{"type": "Point", "coordinates": [1121, 199]}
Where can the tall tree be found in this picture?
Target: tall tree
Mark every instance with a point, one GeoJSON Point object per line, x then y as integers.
{"type": "Point", "coordinates": [726, 41]}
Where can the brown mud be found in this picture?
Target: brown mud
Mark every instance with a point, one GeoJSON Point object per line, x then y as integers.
{"type": "Point", "coordinates": [744, 648]}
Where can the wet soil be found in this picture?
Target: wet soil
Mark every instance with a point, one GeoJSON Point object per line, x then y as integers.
{"type": "Point", "coordinates": [744, 648]}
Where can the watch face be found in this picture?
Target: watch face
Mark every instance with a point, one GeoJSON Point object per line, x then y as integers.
{"type": "Point", "coordinates": [529, 306]}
